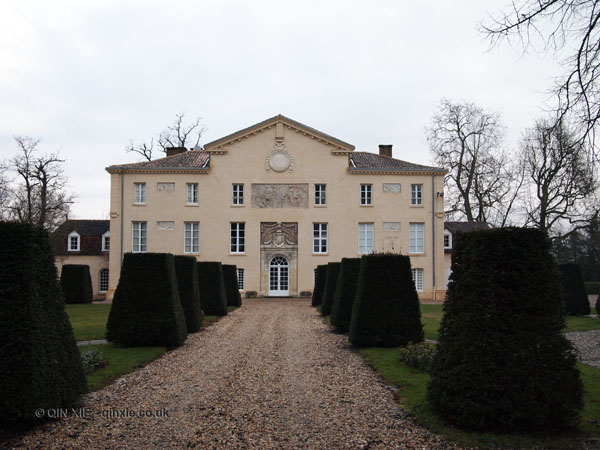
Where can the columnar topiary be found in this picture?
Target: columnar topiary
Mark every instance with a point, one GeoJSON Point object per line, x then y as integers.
{"type": "Point", "coordinates": [41, 366]}
{"type": "Point", "coordinates": [212, 288]}
{"type": "Point", "coordinates": [386, 311]}
{"type": "Point", "coordinates": [333, 268]}
{"type": "Point", "coordinates": [502, 362]}
{"type": "Point", "coordinates": [232, 290]}
{"type": "Point", "coordinates": [576, 299]}
{"type": "Point", "coordinates": [320, 277]}
{"type": "Point", "coordinates": [345, 292]}
{"type": "Point", "coordinates": [146, 309]}
{"type": "Point", "coordinates": [189, 294]}
{"type": "Point", "coordinates": [76, 283]}
{"type": "Point", "coordinates": [598, 305]}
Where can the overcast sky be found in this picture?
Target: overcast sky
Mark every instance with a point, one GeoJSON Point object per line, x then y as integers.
{"type": "Point", "coordinates": [86, 77]}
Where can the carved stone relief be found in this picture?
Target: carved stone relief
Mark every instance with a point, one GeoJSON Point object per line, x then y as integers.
{"type": "Point", "coordinates": [391, 226]}
{"type": "Point", "coordinates": [280, 195]}
{"type": "Point", "coordinates": [279, 159]}
{"type": "Point", "coordinates": [165, 225]}
{"type": "Point", "coordinates": [166, 187]}
{"type": "Point", "coordinates": [280, 235]}
{"type": "Point", "coordinates": [394, 188]}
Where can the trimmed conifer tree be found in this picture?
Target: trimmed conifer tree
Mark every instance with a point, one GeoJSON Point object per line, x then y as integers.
{"type": "Point", "coordinates": [76, 283]}
{"type": "Point", "coordinates": [212, 288]}
{"type": "Point", "coordinates": [345, 293]}
{"type": "Point", "coordinates": [41, 365]}
{"type": "Point", "coordinates": [333, 269]}
{"type": "Point", "coordinates": [232, 290]}
{"type": "Point", "coordinates": [320, 277]}
{"type": "Point", "coordinates": [576, 299]}
{"type": "Point", "coordinates": [386, 311]}
{"type": "Point", "coordinates": [187, 282]}
{"type": "Point", "coordinates": [502, 361]}
{"type": "Point", "coordinates": [146, 309]}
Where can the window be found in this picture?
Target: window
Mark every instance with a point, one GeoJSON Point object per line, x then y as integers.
{"type": "Point", "coordinates": [192, 237]}
{"type": "Point", "coordinates": [319, 238]}
{"type": "Point", "coordinates": [106, 241]}
{"type": "Point", "coordinates": [417, 276]}
{"type": "Point", "coordinates": [366, 194]}
{"type": "Point", "coordinates": [192, 194]}
{"type": "Point", "coordinates": [447, 239]}
{"type": "Point", "coordinates": [73, 241]}
{"type": "Point", "coordinates": [417, 238]}
{"type": "Point", "coordinates": [238, 237]}
{"type": "Point", "coordinates": [416, 194]}
{"type": "Point", "coordinates": [320, 194]}
{"type": "Point", "coordinates": [138, 244]}
{"type": "Point", "coordinates": [139, 193]}
{"type": "Point", "coordinates": [103, 280]}
{"type": "Point", "coordinates": [365, 238]}
{"type": "Point", "coordinates": [238, 194]}
{"type": "Point", "coordinates": [240, 276]}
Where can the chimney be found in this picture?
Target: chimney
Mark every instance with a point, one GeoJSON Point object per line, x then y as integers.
{"type": "Point", "coordinates": [385, 150]}
{"type": "Point", "coordinates": [175, 150]}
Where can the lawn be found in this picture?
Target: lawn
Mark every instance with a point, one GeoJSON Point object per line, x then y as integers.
{"type": "Point", "coordinates": [88, 320]}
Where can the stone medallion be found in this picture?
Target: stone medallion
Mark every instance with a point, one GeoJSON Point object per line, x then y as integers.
{"type": "Point", "coordinates": [279, 159]}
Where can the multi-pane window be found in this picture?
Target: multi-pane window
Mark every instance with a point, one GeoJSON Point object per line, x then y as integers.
{"type": "Point", "coordinates": [238, 237]}
{"type": "Point", "coordinates": [320, 194]}
{"type": "Point", "coordinates": [73, 242]}
{"type": "Point", "coordinates": [103, 280]}
{"type": "Point", "coordinates": [192, 194]}
{"type": "Point", "coordinates": [238, 194]}
{"type": "Point", "coordinates": [365, 238]}
{"type": "Point", "coordinates": [447, 240]}
{"type": "Point", "coordinates": [319, 238]}
{"type": "Point", "coordinates": [240, 278]}
{"type": "Point", "coordinates": [192, 237]}
{"type": "Point", "coordinates": [138, 243]}
{"type": "Point", "coordinates": [106, 241]}
{"type": "Point", "coordinates": [366, 194]}
{"type": "Point", "coordinates": [416, 194]}
{"type": "Point", "coordinates": [139, 193]}
{"type": "Point", "coordinates": [417, 276]}
{"type": "Point", "coordinates": [417, 238]}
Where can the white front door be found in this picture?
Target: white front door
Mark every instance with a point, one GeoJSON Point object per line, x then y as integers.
{"type": "Point", "coordinates": [279, 285]}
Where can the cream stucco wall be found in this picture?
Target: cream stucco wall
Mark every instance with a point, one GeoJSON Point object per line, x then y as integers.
{"type": "Point", "coordinates": [96, 263]}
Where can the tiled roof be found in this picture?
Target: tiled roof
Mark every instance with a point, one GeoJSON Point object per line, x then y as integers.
{"type": "Point", "coordinates": [465, 227]}
{"type": "Point", "coordinates": [83, 227]}
{"type": "Point", "coordinates": [90, 232]}
{"type": "Point", "coordinates": [192, 159]}
{"type": "Point", "coordinates": [373, 161]}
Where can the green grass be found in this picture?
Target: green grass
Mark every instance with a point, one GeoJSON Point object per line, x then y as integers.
{"type": "Point", "coordinates": [582, 323]}
{"type": "Point", "coordinates": [88, 320]}
{"type": "Point", "coordinates": [412, 388]}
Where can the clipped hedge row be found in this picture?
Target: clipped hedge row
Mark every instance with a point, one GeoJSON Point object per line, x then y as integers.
{"type": "Point", "coordinates": [232, 290]}
{"type": "Point", "coordinates": [575, 297]}
{"type": "Point", "coordinates": [76, 283]}
{"type": "Point", "coordinates": [186, 271]}
{"type": "Point", "coordinates": [320, 277]}
{"type": "Point", "coordinates": [212, 288]}
{"type": "Point", "coordinates": [345, 292]}
{"type": "Point", "coordinates": [333, 269]}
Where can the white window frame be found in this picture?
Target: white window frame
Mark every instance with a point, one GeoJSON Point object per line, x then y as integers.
{"type": "Point", "coordinates": [418, 276]}
{"type": "Point", "coordinates": [141, 234]}
{"type": "Point", "coordinates": [364, 240]}
{"type": "Point", "coordinates": [366, 194]}
{"type": "Point", "coordinates": [237, 194]}
{"type": "Point", "coordinates": [320, 194]}
{"type": "Point", "coordinates": [240, 278]}
{"type": "Point", "coordinates": [417, 238]}
{"type": "Point", "coordinates": [103, 280]}
{"type": "Point", "coordinates": [139, 193]}
{"type": "Point", "coordinates": [191, 237]}
{"type": "Point", "coordinates": [448, 235]}
{"type": "Point", "coordinates": [77, 246]}
{"type": "Point", "coordinates": [191, 194]}
{"type": "Point", "coordinates": [416, 194]}
{"type": "Point", "coordinates": [320, 237]}
{"type": "Point", "coordinates": [106, 241]}
{"type": "Point", "coordinates": [237, 237]}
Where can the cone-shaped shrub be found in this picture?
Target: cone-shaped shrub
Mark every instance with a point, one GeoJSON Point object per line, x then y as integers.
{"type": "Point", "coordinates": [41, 366]}
{"type": "Point", "coordinates": [502, 362]}
{"type": "Point", "coordinates": [76, 283]}
{"type": "Point", "coordinates": [386, 311]}
{"type": "Point", "coordinates": [333, 269]}
{"type": "Point", "coordinates": [232, 290]}
{"type": "Point", "coordinates": [598, 305]}
{"type": "Point", "coordinates": [146, 309]}
{"type": "Point", "coordinates": [189, 294]}
{"type": "Point", "coordinates": [212, 288]}
{"type": "Point", "coordinates": [345, 292]}
{"type": "Point", "coordinates": [321, 275]}
{"type": "Point", "coordinates": [576, 299]}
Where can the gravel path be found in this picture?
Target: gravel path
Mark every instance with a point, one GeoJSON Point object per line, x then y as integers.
{"type": "Point", "coordinates": [269, 375]}
{"type": "Point", "coordinates": [587, 344]}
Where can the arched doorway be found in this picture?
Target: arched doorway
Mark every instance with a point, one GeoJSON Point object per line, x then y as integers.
{"type": "Point", "coordinates": [279, 285]}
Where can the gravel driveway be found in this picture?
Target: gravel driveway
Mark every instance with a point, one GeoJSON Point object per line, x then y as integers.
{"type": "Point", "coordinates": [269, 375]}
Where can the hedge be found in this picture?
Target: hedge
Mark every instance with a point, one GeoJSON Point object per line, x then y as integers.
{"type": "Point", "coordinates": [232, 290]}
{"type": "Point", "coordinates": [502, 361]}
{"type": "Point", "coordinates": [41, 366]}
{"type": "Point", "coordinates": [187, 281]}
{"type": "Point", "coordinates": [576, 299]}
{"type": "Point", "coordinates": [320, 276]}
{"type": "Point", "coordinates": [345, 292]}
{"type": "Point", "coordinates": [76, 283]}
{"type": "Point", "coordinates": [592, 287]}
{"type": "Point", "coordinates": [333, 269]}
{"type": "Point", "coordinates": [212, 288]}
{"type": "Point", "coordinates": [386, 311]}
{"type": "Point", "coordinates": [146, 309]}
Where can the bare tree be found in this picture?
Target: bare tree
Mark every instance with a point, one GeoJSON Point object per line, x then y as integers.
{"type": "Point", "coordinates": [178, 134]}
{"type": "Point", "coordinates": [466, 140]}
{"type": "Point", "coordinates": [4, 192]}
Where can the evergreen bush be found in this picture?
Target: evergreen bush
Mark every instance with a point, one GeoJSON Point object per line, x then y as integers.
{"type": "Point", "coordinates": [41, 366]}
{"type": "Point", "coordinates": [419, 356]}
{"type": "Point", "coordinates": [592, 287]}
{"type": "Point", "coordinates": [76, 283]}
{"type": "Point", "coordinates": [386, 311]}
{"type": "Point", "coordinates": [320, 277]}
{"type": "Point", "coordinates": [598, 305]}
{"type": "Point", "coordinates": [146, 309]}
{"type": "Point", "coordinates": [232, 290]}
{"type": "Point", "coordinates": [333, 269]}
{"type": "Point", "coordinates": [345, 292]}
{"type": "Point", "coordinates": [187, 282]}
{"type": "Point", "coordinates": [576, 299]}
{"type": "Point", "coordinates": [212, 288]}
{"type": "Point", "coordinates": [502, 362]}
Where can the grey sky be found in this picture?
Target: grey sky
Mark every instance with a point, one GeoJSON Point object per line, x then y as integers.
{"type": "Point", "coordinates": [88, 77]}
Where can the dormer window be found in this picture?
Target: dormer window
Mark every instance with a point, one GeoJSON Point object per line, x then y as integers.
{"type": "Point", "coordinates": [73, 241]}
{"type": "Point", "coordinates": [447, 239]}
{"type": "Point", "coordinates": [106, 241]}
